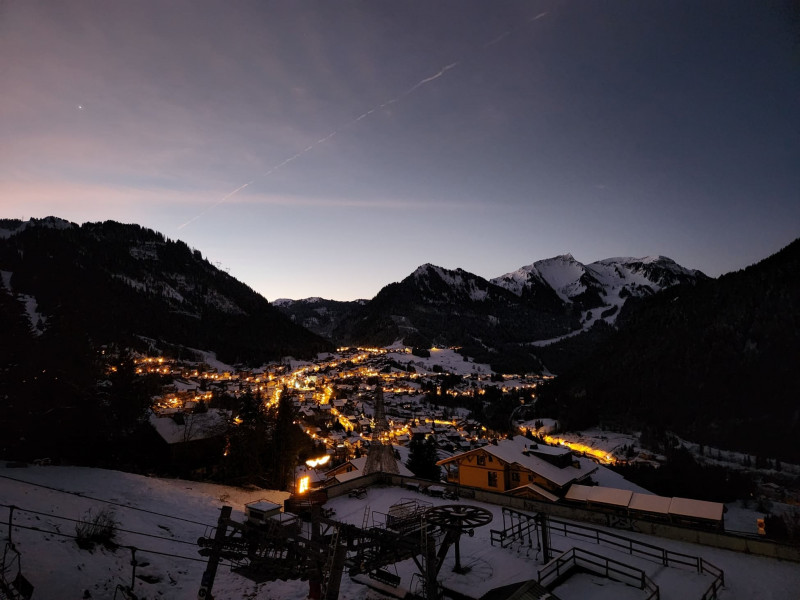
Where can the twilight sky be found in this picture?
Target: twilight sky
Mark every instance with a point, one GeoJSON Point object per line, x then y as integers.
{"type": "Point", "coordinates": [328, 148]}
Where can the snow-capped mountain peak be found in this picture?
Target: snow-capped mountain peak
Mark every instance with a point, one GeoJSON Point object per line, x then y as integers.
{"type": "Point", "coordinates": [441, 284]}
{"type": "Point", "coordinates": [603, 285]}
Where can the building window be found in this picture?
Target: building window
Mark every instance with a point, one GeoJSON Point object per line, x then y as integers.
{"type": "Point", "coordinates": [481, 459]}
{"type": "Point", "coordinates": [515, 476]}
{"type": "Point", "coordinates": [493, 479]}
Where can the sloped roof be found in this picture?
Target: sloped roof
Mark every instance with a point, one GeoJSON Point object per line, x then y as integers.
{"type": "Point", "coordinates": [196, 426]}
{"type": "Point", "coordinates": [610, 496]}
{"type": "Point", "coordinates": [698, 509]}
{"type": "Point", "coordinates": [599, 494]}
{"type": "Point", "coordinates": [578, 493]}
{"type": "Point", "coordinates": [513, 452]}
{"type": "Point", "coordinates": [342, 477]}
{"type": "Point", "coordinates": [539, 491]}
{"type": "Point", "coordinates": [356, 463]}
{"type": "Point", "coordinates": [650, 503]}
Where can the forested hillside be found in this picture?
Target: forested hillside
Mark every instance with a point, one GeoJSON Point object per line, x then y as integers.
{"type": "Point", "coordinates": [716, 362]}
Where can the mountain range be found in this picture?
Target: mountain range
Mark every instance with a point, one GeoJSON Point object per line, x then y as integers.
{"type": "Point", "coordinates": [499, 320]}
{"type": "Point", "coordinates": [637, 342]}
{"type": "Point", "coordinates": [129, 285]}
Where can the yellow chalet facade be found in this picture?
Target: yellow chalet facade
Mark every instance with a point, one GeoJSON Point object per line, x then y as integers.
{"type": "Point", "coordinates": [520, 467]}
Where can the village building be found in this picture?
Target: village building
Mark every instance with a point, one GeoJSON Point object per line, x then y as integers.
{"type": "Point", "coordinates": [520, 467]}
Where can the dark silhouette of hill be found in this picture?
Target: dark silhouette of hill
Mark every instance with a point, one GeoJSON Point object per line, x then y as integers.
{"type": "Point", "coordinates": [716, 361]}
{"type": "Point", "coordinates": [74, 299]}
{"type": "Point", "coordinates": [436, 306]}
{"type": "Point", "coordinates": [121, 283]}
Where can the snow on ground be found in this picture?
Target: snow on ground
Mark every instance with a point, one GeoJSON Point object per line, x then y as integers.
{"type": "Point", "coordinates": [35, 318]}
{"type": "Point", "coordinates": [610, 442]}
{"type": "Point", "coordinates": [450, 361]}
{"type": "Point", "coordinates": [185, 511]}
{"type": "Point", "coordinates": [731, 459]}
{"type": "Point", "coordinates": [58, 569]}
{"type": "Point", "coordinates": [585, 585]}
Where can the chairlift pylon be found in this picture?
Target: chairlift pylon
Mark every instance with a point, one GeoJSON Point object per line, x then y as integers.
{"type": "Point", "coordinates": [18, 587]}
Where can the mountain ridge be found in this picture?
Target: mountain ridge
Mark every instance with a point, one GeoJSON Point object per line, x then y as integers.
{"type": "Point", "coordinates": [118, 282]}
{"type": "Point", "coordinates": [546, 300]}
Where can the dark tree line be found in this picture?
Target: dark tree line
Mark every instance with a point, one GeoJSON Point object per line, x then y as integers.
{"type": "Point", "coordinates": [715, 362]}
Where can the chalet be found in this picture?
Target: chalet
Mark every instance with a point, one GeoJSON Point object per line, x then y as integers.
{"type": "Point", "coordinates": [354, 465]}
{"type": "Point", "coordinates": [192, 441]}
{"type": "Point", "coordinates": [355, 468]}
{"type": "Point", "coordinates": [512, 466]}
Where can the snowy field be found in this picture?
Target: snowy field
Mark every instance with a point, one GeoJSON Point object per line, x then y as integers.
{"type": "Point", "coordinates": [450, 361]}
{"type": "Point", "coordinates": [163, 519]}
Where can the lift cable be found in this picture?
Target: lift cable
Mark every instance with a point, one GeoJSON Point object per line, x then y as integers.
{"type": "Point", "coordinates": [151, 535]}
{"type": "Point", "coordinates": [80, 495]}
{"type": "Point", "coordinates": [144, 550]}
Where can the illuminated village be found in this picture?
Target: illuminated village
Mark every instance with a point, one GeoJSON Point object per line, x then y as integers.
{"type": "Point", "coordinates": [333, 396]}
{"type": "Point", "coordinates": [364, 408]}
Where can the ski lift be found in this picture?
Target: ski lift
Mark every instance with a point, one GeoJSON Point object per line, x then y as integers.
{"type": "Point", "coordinates": [126, 592]}
{"type": "Point", "coordinates": [18, 588]}
{"type": "Point", "coordinates": [386, 577]}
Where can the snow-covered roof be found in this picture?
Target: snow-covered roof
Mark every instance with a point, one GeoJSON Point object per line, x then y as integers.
{"type": "Point", "coordinates": [650, 503]}
{"type": "Point", "coordinates": [549, 450]}
{"type": "Point", "coordinates": [342, 477]}
{"type": "Point", "coordinates": [196, 426]}
{"type": "Point", "coordinates": [697, 509]}
{"type": "Point", "coordinates": [578, 493]}
{"type": "Point", "coordinates": [357, 464]}
{"type": "Point", "coordinates": [610, 496]}
{"type": "Point", "coordinates": [513, 452]}
{"type": "Point", "coordinates": [539, 491]}
{"type": "Point", "coordinates": [263, 506]}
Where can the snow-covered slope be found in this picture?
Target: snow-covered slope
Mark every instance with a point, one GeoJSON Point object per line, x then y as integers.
{"type": "Point", "coordinates": [442, 285]}
{"type": "Point", "coordinates": [599, 288]}
{"type": "Point", "coordinates": [566, 276]}
{"type": "Point", "coordinates": [164, 518]}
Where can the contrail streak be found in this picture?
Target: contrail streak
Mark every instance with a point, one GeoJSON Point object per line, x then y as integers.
{"type": "Point", "coordinates": [499, 38]}
{"type": "Point", "coordinates": [322, 140]}
{"type": "Point", "coordinates": [363, 115]}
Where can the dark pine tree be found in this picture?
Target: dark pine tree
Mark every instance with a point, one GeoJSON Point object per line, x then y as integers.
{"type": "Point", "coordinates": [422, 459]}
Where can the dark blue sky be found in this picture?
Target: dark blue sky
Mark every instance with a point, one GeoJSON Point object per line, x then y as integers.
{"type": "Point", "coordinates": [329, 148]}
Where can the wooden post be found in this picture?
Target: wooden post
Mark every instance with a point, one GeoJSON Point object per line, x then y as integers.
{"type": "Point", "coordinates": [541, 521]}
{"type": "Point", "coordinates": [213, 560]}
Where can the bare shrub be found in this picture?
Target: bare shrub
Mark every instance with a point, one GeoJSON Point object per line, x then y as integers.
{"type": "Point", "coordinates": [96, 527]}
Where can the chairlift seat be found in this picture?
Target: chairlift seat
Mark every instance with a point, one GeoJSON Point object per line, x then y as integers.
{"type": "Point", "coordinates": [385, 577]}
{"type": "Point", "coordinates": [22, 587]}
